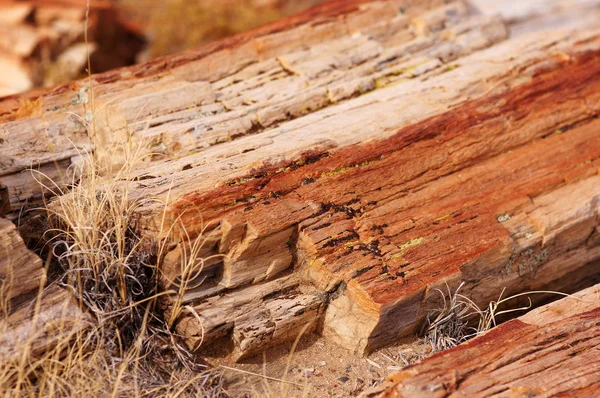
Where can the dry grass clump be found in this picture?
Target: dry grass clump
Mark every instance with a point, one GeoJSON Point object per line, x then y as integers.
{"type": "Point", "coordinates": [95, 243]}
{"type": "Point", "coordinates": [461, 319]}
{"type": "Point", "coordinates": [78, 364]}
{"type": "Point", "coordinates": [451, 325]}
{"type": "Point", "coordinates": [448, 326]}
{"type": "Point", "coordinates": [127, 346]}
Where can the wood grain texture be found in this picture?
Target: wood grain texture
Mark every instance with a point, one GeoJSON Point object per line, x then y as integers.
{"type": "Point", "coordinates": [47, 129]}
{"type": "Point", "coordinates": [345, 162]}
{"type": "Point", "coordinates": [477, 193]}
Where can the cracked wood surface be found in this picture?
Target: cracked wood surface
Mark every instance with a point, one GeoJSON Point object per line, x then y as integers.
{"type": "Point", "coordinates": [552, 351]}
{"type": "Point", "coordinates": [47, 130]}
{"type": "Point", "coordinates": [499, 191]}
{"type": "Point", "coordinates": [241, 89]}
{"type": "Point", "coordinates": [340, 178]}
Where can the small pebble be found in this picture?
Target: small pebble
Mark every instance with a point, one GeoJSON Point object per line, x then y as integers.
{"type": "Point", "coordinates": [343, 379]}
{"type": "Point", "coordinates": [322, 363]}
{"type": "Point", "coordinates": [308, 372]}
{"type": "Point", "coordinates": [503, 217]}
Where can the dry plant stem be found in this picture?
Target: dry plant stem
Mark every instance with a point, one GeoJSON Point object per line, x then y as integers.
{"type": "Point", "coordinates": [449, 326]}
{"type": "Point", "coordinates": [5, 291]}
{"type": "Point", "coordinates": [192, 266]}
{"type": "Point", "coordinates": [488, 320]}
{"type": "Point", "coordinates": [115, 275]}
{"type": "Point", "coordinates": [284, 387]}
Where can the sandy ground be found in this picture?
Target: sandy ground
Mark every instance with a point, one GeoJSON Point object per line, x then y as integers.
{"type": "Point", "coordinates": [316, 368]}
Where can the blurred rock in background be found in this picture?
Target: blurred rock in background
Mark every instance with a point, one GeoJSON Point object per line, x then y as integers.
{"type": "Point", "coordinates": [42, 42]}
{"type": "Point", "coordinates": [176, 25]}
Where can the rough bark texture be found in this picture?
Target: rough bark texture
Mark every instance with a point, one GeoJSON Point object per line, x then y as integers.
{"type": "Point", "coordinates": [46, 131]}
{"type": "Point", "coordinates": [550, 352]}
{"type": "Point", "coordinates": [342, 163]}
{"type": "Point", "coordinates": [474, 194]}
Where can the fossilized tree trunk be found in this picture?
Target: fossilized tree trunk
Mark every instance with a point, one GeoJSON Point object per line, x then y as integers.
{"type": "Point", "coordinates": [343, 163]}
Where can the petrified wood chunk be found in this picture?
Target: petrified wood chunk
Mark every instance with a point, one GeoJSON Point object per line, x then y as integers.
{"type": "Point", "coordinates": [43, 43]}
{"type": "Point", "coordinates": [38, 327]}
{"type": "Point", "coordinates": [20, 269]}
{"type": "Point", "coordinates": [257, 317]}
{"type": "Point", "coordinates": [338, 178]}
{"type": "Point", "coordinates": [551, 351]}
{"type": "Point", "coordinates": [33, 318]}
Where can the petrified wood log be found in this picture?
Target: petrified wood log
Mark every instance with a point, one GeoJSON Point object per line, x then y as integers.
{"type": "Point", "coordinates": [344, 162]}
{"type": "Point", "coordinates": [499, 191]}
{"type": "Point", "coordinates": [551, 351]}
{"type": "Point", "coordinates": [171, 103]}
{"type": "Point", "coordinates": [47, 130]}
